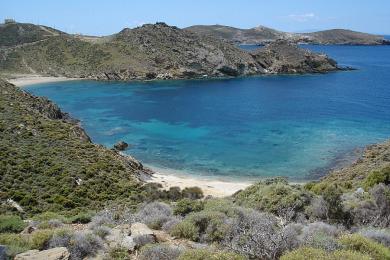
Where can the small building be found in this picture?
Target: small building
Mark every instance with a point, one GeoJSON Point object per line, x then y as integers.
{"type": "Point", "coordinates": [8, 21]}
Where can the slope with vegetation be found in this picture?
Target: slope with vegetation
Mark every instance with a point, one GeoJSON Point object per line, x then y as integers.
{"type": "Point", "coordinates": [263, 35]}
{"type": "Point", "coordinates": [153, 51]}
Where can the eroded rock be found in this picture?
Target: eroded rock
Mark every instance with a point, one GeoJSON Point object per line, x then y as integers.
{"type": "Point", "coordinates": [58, 253]}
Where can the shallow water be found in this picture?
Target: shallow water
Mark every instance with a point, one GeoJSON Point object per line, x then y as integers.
{"type": "Point", "coordinates": [246, 127]}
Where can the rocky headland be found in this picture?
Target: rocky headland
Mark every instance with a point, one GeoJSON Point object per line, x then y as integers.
{"type": "Point", "coordinates": [152, 51]}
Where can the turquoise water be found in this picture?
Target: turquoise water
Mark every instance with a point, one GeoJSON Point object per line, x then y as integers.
{"type": "Point", "coordinates": [249, 128]}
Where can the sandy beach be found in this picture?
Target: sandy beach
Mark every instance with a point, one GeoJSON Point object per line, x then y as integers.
{"type": "Point", "coordinates": [29, 79]}
{"type": "Point", "coordinates": [214, 187]}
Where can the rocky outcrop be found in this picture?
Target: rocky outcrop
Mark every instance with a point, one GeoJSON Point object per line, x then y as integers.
{"type": "Point", "coordinates": [130, 237]}
{"type": "Point", "coordinates": [58, 253]}
{"type": "Point", "coordinates": [284, 57]}
{"type": "Point", "coordinates": [121, 146]}
{"type": "Point", "coordinates": [151, 52]}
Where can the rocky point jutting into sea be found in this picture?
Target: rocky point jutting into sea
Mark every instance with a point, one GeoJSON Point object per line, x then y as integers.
{"type": "Point", "coordinates": [152, 51]}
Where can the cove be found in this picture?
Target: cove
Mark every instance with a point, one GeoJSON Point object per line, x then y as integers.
{"type": "Point", "coordinates": [247, 128]}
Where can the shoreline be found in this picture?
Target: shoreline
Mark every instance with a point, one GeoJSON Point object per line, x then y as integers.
{"type": "Point", "coordinates": [23, 80]}
{"type": "Point", "coordinates": [211, 187]}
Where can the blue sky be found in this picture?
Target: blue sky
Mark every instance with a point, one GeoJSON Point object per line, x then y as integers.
{"type": "Point", "coordinates": [106, 17]}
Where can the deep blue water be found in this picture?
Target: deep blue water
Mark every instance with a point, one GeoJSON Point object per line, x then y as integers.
{"type": "Point", "coordinates": [246, 127]}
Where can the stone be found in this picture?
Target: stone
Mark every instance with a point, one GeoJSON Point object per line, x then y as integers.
{"type": "Point", "coordinates": [57, 253]}
{"type": "Point", "coordinates": [2, 252]}
{"type": "Point", "coordinates": [121, 146]}
{"type": "Point", "coordinates": [140, 229]}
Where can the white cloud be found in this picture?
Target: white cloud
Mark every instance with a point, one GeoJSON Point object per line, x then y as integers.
{"type": "Point", "coordinates": [302, 17]}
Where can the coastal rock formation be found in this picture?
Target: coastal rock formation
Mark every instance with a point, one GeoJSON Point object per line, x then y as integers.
{"type": "Point", "coordinates": [121, 146]}
{"type": "Point", "coordinates": [152, 51]}
{"type": "Point", "coordinates": [283, 57]}
{"type": "Point", "coordinates": [262, 35]}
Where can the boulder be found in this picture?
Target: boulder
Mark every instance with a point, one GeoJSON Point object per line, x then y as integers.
{"type": "Point", "coordinates": [140, 229]}
{"type": "Point", "coordinates": [57, 253]}
{"type": "Point", "coordinates": [120, 237]}
{"type": "Point", "coordinates": [2, 252]}
{"type": "Point", "coordinates": [121, 146]}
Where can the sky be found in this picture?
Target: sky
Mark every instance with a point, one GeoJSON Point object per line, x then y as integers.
{"type": "Point", "coordinates": [97, 17]}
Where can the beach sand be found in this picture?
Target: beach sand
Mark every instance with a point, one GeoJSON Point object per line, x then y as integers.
{"type": "Point", "coordinates": [30, 79]}
{"type": "Point", "coordinates": [214, 187]}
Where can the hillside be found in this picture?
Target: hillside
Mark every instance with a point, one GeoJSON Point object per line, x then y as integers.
{"type": "Point", "coordinates": [49, 164]}
{"type": "Point", "coordinates": [153, 51]}
{"type": "Point", "coordinates": [344, 37]}
{"type": "Point", "coordinates": [263, 35]}
{"type": "Point", "coordinates": [14, 34]}
{"type": "Point", "coordinates": [257, 35]}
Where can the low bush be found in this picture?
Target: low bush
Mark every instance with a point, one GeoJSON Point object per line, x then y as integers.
{"type": "Point", "coordinates": [101, 231]}
{"type": "Point", "coordinates": [46, 216]}
{"type": "Point", "coordinates": [15, 244]}
{"type": "Point", "coordinates": [186, 229]}
{"type": "Point", "coordinates": [308, 253]}
{"type": "Point", "coordinates": [82, 218]}
{"type": "Point", "coordinates": [11, 224]}
{"type": "Point", "coordinates": [186, 206]}
{"type": "Point", "coordinates": [320, 235]}
{"type": "Point", "coordinates": [376, 177]}
{"type": "Point", "coordinates": [53, 223]}
{"type": "Point", "coordinates": [119, 253]}
{"type": "Point", "coordinates": [160, 252]}
{"type": "Point", "coordinates": [203, 226]}
{"type": "Point", "coordinates": [40, 239]}
{"type": "Point", "coordinates": [258, 235]}
{"type": "Point", "coordinates": [379, 235]}
{"type": "Point", "coordinates": [79, 245]}
{"type": "Point", "coordinates": [275, 196]}
{"type": "Point", "coordinates": [364, 245]}
{"type": "Point", "coordinates": [170, 224]}
{"type": "Point", "coordinates": [142, 240]}
{"type": "Point", "coordinates": [193, 193]}
{"type": "Point", "coordinates": [203, 254]}
{"type": "Point", "coordinates": [154, 214]}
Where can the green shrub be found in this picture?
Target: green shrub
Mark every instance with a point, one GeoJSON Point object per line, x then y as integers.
{"type": "Point", "coordinates": [119, 253]}
{"type": "Point", "coordinates": [186, 206]}
{"type": "Point", "coordinates": [364, 245]}
{"type": "Point", "coordinates": [204, 254]}
{"type": "Point", "coordinates": [274, 196]}
{"type": "Point", "coordinates": [40, 239]}
{"type": "Point", "coordinates": [209, 225]}
{"type": "Point", "coordinates": [309, 253]}
{"type": "Point", "coordinates": [186, 229]}
{"type": "Point", "coordinates": [46, 216]}
{"type": "Point", "coordinates": [376, 177]}
{"type": "Point", "coordinates": [11, 224]}
{"type": "Point", "coordinates": [82, 218]}
{"type": "Point", "coordinates": [15, 244]}
{"type": "Point", "coordinates": [192, 193]}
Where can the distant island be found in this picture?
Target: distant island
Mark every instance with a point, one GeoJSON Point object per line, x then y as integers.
{"type": "Point", "coordinates": [152, 51]}
{"type": "Point", "coordinates": [262, 35]}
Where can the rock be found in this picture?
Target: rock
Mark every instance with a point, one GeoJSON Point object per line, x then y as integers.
{"type": "Point", "coordinates": [359, 191]}
{"type": "Point", "coordinates": [120, 237]}
{"type": "Point", "coordinates": [140, 229]}
{"type": "Point", "coordinates": [121, 146]}
{"type": "Point", "coordinates": [2, 252]}
{"type": "Point", "coordinates": [29, 229]}
{"type": "Point", "coordinates": [58, 253]}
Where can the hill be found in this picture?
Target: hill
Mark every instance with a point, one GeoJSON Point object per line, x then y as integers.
{"type": "Point", "coordinates": [263, 35]}
{"type": "Point", "coordinates": [153, 51]}
{"type": "Point", "coordinates": [49, 164]}
{"type": "Point", "coordinates": [13, 34]}
{"type": "Point", "coordinates": [344, 37]}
